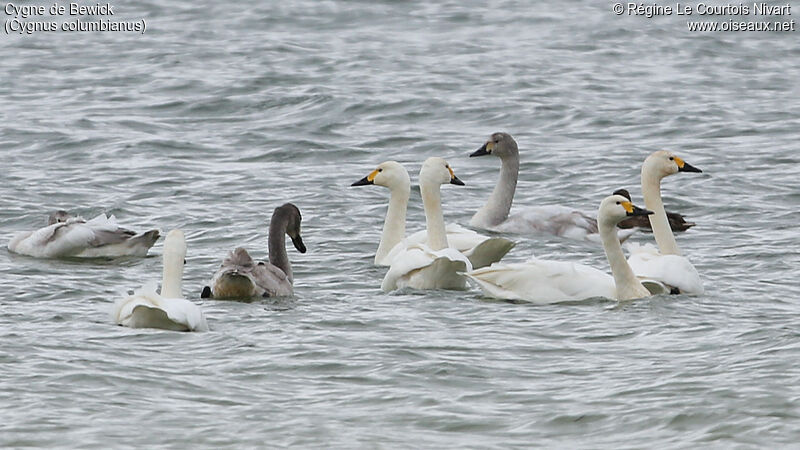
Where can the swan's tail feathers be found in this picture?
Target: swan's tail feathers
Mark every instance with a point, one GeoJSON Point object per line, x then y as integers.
{"type": "Point", "coordinates": [489, 288]}
{"type": "Point", "coordinates": [233, 283]}
{"type": "Point", "coordinates": [146, 239]}
{"type": "Point", "coordinates": [489, 251]}
{"type": "Point", "coordinates": [442, 273]}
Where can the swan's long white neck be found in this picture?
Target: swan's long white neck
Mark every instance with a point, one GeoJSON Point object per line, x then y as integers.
{"type": "Point", "coordinates": [628, 286]}
{"type": "Point", "coordinates": [651, 190]}
{"type": "Point", "coordinates": [434, 218]}
{"type": "Point", "coordinates": [496, 209]}
{"type": "Point", "coordinates": [394, 227]}
{"type": "Point", "coordinates": [172, 276]}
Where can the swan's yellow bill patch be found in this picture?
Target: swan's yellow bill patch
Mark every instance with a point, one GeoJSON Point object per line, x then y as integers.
{"type": "Point", "coordinates": [679, 162]}
{"type": "Point", "coordinates": [372, 175]}
{"type": "Point", "coordinates": [490, 146]}
{"type": "Point", "coordinates": [452, 175]}
{"type": "Point", "coordinates": [628, 206]}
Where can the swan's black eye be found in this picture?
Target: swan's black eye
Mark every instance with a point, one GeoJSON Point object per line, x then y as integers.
{"type": "Point", "coordinates": [380, 170]}
{"type": "Point", "coordinates": [672, 158]}
{"type": "Point", "coordinates": [618, 203]}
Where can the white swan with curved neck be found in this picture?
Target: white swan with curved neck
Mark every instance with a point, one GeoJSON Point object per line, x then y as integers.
{"type": "Point", "coordinates": [665, 264]}
{"type": "Point", "coordinates": [239, 277]}
{"type": "Point", "coordinates": [481, 250]}
{"type": "Point", "coordinates": [543, 281]}
{"type": "Point", "coordinates": [433, 265]}
{"type": "Point", "coordinates": [168, 310]}
{"type": "Point", "coordinates": [555, 219]}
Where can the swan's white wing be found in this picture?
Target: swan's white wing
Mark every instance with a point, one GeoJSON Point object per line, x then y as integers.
{"type": "Point", "coordinates": [420, 267]}
{"type": "Point", "coordinates": [185, 312]}
{"type": "Point", "coordinates": [542, 281]}
{"type": "Point", "coordinates": [672, 270]}
{"type": "Point", "coordinates": [481, 250]}
{"type": "Point", "coordinates": [53, 241]}
{"type": "Point", "coordinates": [147, 309]}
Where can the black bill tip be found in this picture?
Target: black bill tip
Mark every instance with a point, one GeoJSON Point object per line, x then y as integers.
{"type": "Point", "coordinates": [689, 168]}
{"type": "Point", "coordinates": [480, 152]}
{"type": "Point", "coordinates": [363, 182]}
{"type": "Point", "coordinates": [298, 244]}
{"type": "Point", "coordinates": [639, 212]}
{"type": "Point", "coordinates": [456, 181]}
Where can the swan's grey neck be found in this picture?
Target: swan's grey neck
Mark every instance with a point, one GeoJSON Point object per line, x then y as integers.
{"type": "Point", "coordinates": [628, 286]}
{"type": "Point", "coordinates": [172, 276]}
{"type": "Point", "coordinates": [277, 244]}
{"type": "Point", "coordinates": [434, 218]}
{"type": "Point", "coordinates": [394, 227]}
{"type": "Point", "coordinates": [496, 209]}
{"type": "Point", "coordinates": [651, 190]}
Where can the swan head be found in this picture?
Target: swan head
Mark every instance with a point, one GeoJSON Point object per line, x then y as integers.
{"type": "Point", "coordinates": [291, 215]}
{"type": "Point", "coordinates": [437, 171]}
{"type": "Point", "coordinates": [663, 163]}
{"type": "Point", "coordinates": [58, 217]}
{"type": "Point", "coordinates": [499, 144]}
{"type": "Point", "coordinates": [617, 207]}
{"type": "Point", "coordinates": [390, 174]}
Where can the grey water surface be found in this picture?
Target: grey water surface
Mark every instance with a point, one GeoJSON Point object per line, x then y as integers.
{"type": "Point", "coordinates": [222, 111]}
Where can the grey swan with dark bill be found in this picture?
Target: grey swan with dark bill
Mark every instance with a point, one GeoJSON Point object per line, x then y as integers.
{"type": "Point", "coordinates": [240, 277]}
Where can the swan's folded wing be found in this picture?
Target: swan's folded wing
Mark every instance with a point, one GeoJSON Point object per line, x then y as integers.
{"type": "Point", "coordinates": [543, 281]}
{"type": "Point", "coordinates": [672, 270]}
{"type": "Point", "coordinates": [481, 250]}
{"type": "Point", "coordinates": [416, 257]}
{"type": "Point", "coordinates": [122, 310]}
{"type": "Point", "coordinates": [272, 280]}
{"type": "Point", "coordinates": [185, 312]}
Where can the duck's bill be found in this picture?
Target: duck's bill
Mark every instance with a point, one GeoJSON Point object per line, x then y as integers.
{"type": "Point", "coordinates": [639, 212]}
{"type": "Point", "coordinates": [689, 168]}
{"type": "Point", "coordinates": [363, 182]}
{"type": "Point", "coordinates": [298, 242]}
{"type": "Point", "coordinates": [456, 181]}
{"type": "Point", "coordinates": [480, 152]}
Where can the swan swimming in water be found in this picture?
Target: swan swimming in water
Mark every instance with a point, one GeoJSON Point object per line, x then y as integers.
{"type": "Point", "coordinates": [241, 277]}
{"type": "Point", "coordinates": [67, 236]}
{"type": "Point", "coordinates": [554, 219]}
{"type": "Point", "coordinates": [146, 308]}
{"type": "Point", "coordinates": [433, 265]}
{"type": "Point", "coordinates": [665, 264]}
{"type": "Point", "coordinates": [481, 250]}
{"type": "Point", "coordinates": [544, 281]}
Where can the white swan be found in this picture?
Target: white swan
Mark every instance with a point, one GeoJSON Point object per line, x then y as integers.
{"type": "Point", "coordinates": [665, 264]}
{"type": "Point", "coordinates": [67, 236]}
{"type": "Point", "coordinates": [146, 308]}
{"type": "Point", "coordinates": [557, 220]}
{"type": "Point", "coordinates": [481, 250]}
{"type": "Point", "coordinates": [544, 281]}
{"type": "Point", "coordinates": [241, 277]}
{"type": "Point", "coordinates": [434, 265]}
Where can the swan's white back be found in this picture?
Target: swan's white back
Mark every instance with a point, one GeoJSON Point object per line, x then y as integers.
{"type": "Point", "coordinates": [146, 308]}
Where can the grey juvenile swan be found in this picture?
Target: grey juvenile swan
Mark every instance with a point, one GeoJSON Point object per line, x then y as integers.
{"type": "Point", "coordinates": [239, 277]}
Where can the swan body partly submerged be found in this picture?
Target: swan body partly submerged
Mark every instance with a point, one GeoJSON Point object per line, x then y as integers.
{"type": "Point", "coordinates": [434, 265]}
{"type": "Point", "coordinates": [168, 310]}
{"type": "Point", "coordinates": [544, 281]}
{"type": "Point", "coordinates": [67, 236]}
{"type": "Point", "coordinates": [495, 214]}
{"type": "Point", "coordinates": [481, 250]}
{"type": "Point", "coordinates": [240, 277]}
